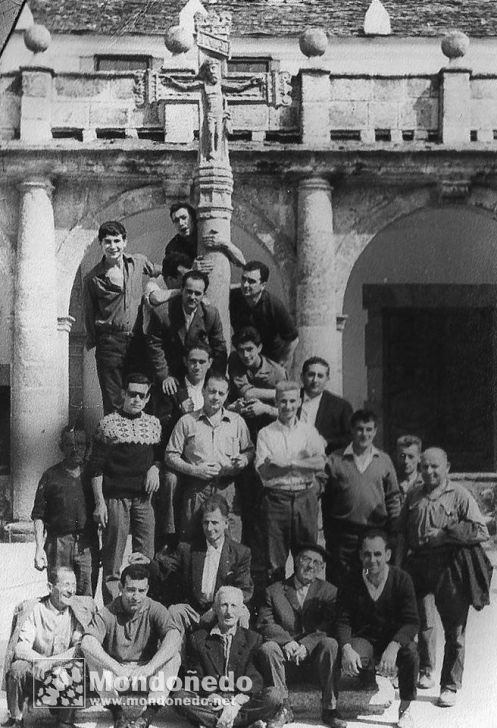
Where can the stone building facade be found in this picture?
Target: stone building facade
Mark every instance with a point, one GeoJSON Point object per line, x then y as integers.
{"type": "Point", "coordinates": [365, 178]}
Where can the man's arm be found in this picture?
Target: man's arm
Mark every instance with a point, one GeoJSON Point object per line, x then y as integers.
{"type": "Point", "coordinates": [392, 495]}
{"type": "Point", "coordinates": [155, 346]}
{"type": "Point", "coordinates": [100, 514]}
{"type": "Point", "coordinates": [40, 555]}
{"type": "Point", "coordinates": [267, 625]}
{"type": "Point", "coordinates": [287, 351]}
{"type": "Point", "coordinates": [218, 344]}
{"type": "Point", "coordinates": [89, 314]}
{"type": "Point", "coordinates": [471, 528]}
{"type": "Point", "coordinates": [24, 649]}
{"type": "Point", "coordinates": [91, 647]}
{"type": "Point", "coordinates": [170, 645]}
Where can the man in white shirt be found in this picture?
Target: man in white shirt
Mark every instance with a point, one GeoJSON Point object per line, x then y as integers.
{"type": "Point", "coordinates": [47, 634]}
{"type": "Point", "coordinates": [289, 455]}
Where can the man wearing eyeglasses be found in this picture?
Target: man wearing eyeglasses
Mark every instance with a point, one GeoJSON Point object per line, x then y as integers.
{"type": "Point", "coordinates": [296, 621]}
{"type": "Point", "coordinates": [252, 305]}
{"type": "Point", "coordinates": [124, 469]}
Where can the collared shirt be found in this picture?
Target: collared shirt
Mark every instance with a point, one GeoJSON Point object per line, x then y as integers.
{"type": "Point", "coordinates": [64, 502]}
{"type": "Point", "coordinates": [364, 460]}
{"type": "Point", "coordinates": [375, 592]}
{"type": "Point", "coordinates": [197, 439]}
{"type": "Point", "coordinates": [132, 638]}
{"type": "Point", "coordinates": [111, 308]}
{"type": "Point", "coordinates": [269, 316]}
{"type": "Point", "coordinates": [188, 318]}
{"type": "Point", "coordinates": [424, 511]}
{"type": "Point", "coordinates": [49, 631]}
{"type": "Point", "coordinates": [227, 640]}
{"type": "Point", "coordinates": [266, 376]}
{"type": "Point", "coordinates": [407, 484]}
{"type": "Point", "coordinates": [310, 406]}
{"type": "Point", "coordinates": [195, 392]}
{"type": "Point", "coordinates": [301, 590]}
{"type": "Point", "coordinates": [294, 442]}
{"type": "Point", "coordinates": [211, 566]}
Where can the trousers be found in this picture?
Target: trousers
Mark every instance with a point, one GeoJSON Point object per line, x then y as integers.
{"type": "Point", "coordinates": [407, 663]}
{"type": "Point", "coordinates": [117, 354]}
{"type": "Point", "coordinates": [81, 553]}
{"type": "Point", "coordinates": [21, 686]}
{"type": "Point", "coordinates": [261, 706]}
{"type": "Point", "coordinates": [125, 515]}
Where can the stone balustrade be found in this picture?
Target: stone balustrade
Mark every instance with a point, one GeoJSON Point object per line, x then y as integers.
{"type": "Point", "coordinates": [315, 109]}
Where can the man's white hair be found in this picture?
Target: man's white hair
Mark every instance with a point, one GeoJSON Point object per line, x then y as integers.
{"type": "Point", "coordinates": [223, 589]}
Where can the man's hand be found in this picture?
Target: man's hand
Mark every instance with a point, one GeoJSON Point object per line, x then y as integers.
{"type": "Point", "coordinates": [207, 471]}
{"type": "Point", "coordinates": [100, 514]}
{"type": "Point", "coordinates": [300, 655]}
{"type": "Point", "coordinates": [351, 661]}
{"type": "Point", "coordinates": [187, 614]}
{"type": "Point", "coordinates": [434, 536]}
{"type": "Point", "coordinates": [255, 408]}
{"type": "Point", "coordinates": [228, 715]}
{"type": "Point", "coordinates": [40, 559]}
{"type": "Point", "coordinates": [203, 264]}
{"type": "Point", "coordinates": [216, 701]}
{"type": "Point", "coordinates": [388, 663]}
{"type": "Point", "coordinates": [152, 480]}
{"type": "Point", "coordinates": [137, 558]}
{"type": "Point", "coordinates": [170, 385]}
{"type": "Point", "coordinates": [158, 296]}
{"type": "Point", "coordinates": [40, 668]}
{"type": "Point", "coordinates": [281, 463]}
{"type": "Point", "coordinates": [187, 405]}
{"type": "Point", "coordinates": [291, 649]}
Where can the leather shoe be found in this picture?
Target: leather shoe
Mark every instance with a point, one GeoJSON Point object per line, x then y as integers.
{"type": "Point", "coordinates": [447, 699]}
{"type": "Point", "coordinates": [283, 716]}
{"type": "Point", "coordinates": [333, 719]}
{"type": "Point", "coordinates": [425, 681]}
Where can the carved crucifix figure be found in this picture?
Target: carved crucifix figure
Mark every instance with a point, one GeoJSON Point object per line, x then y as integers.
{"type": "Point", "coordinates": [215, 123]}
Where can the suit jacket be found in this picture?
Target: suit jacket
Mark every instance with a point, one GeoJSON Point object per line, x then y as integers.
{"type": "Point", "coordinates": [168, 408]}
{"type": "Point", "coordinates": [205, 656]}
{"type": "Point", "coordinates": [282, 619]}
{"type": "Point", "coordinates": [177, 577]}
{"type": "Point", "coordinates": [167, 338]}
{"type": "Point", "coordinates": [83, 608]}
{"type": "Point", "coordinates": [333, 420]}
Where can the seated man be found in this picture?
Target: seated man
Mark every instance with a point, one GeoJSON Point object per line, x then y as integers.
{"type": "Point", "coordinates": [130, 641]}
{"type": "Point", "coordinates": [377, 622]}
{"type": "Point", "coordinates": [65, 533]}
{"type": "Point", "coordinates": [226, 654]}
{"type": "Point", "coordinates": [296, 621]}
{"type": "Point", "coordinates": [51, 628]}
{"type": "Point", "coordinates": [193, 573]}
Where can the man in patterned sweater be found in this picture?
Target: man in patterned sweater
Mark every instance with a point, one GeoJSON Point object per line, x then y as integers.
{"type": "Point", "coordinates": [124, 468]}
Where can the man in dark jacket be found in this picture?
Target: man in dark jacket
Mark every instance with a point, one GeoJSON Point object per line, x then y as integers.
{"type": "Point", "coordinates": [377, 621]}
{"type": "Point", "coordinates": [177, 324]}
{"type": "Point", "coordinates": [226, 655]}
{"type": "Point", "coordinates": [296, 621]}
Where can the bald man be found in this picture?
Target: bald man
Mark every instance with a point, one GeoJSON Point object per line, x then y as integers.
{"type": "Point", "coordinates": [440, 530]}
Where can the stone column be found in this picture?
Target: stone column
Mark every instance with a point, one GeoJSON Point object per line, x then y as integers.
{"type": "Point", "coordinates": [315, 106]}
{"type": "Point", "coordinates": [35, 382]}
{"type": "Point", "coordinates": [316, 304]}
{"type": "Point", "coordinates": [455, 105]}
{"type": "Point", "coordinates": [36, 104]}
{"type": "Point", "coordinates": [213, 188]}
{"type": "Point", "coordinates": [64, 325]}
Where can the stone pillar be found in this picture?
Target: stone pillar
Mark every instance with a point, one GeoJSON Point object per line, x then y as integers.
{"type": "Point", "coordinates": [213, 188]}
{"type": "Point", "coordinates": [455, 105]}
{"type": "Point", "coordinates": [64, 326]}
{"type": "Point", "coordinates": [35, 387]}
{"type": "Point", "coordinates": [316, 304]}
{"type": "Point", "coordinates": [36, 105]}
{"type": "Point", "coordinates": [315, 106]}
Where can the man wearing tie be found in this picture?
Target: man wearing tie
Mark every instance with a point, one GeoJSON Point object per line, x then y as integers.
{"type": "Point", "coordinates": [296, 621]}
{"type": "Point", "coordinates": [178, 323]}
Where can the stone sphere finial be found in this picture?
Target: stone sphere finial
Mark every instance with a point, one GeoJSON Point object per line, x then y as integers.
{"type": "Point", "coordinates": [313, 42]}
{"type": "Point", "coordinates": [37, 38]}
{"type": "Point", "coordinates": [455, 44]}
{"type": "Point", "coordinates": [178, 40]}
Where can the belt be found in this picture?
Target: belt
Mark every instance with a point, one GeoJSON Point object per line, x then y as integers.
{"type": "Point", "coordinates": [297, 488]}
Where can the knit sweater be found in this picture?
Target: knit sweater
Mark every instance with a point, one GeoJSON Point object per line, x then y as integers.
{"type": "Point", "coordinates": [370, 498]}
{"type": "Point", "coordinates": [124, 448]}
{"type": "Point", "coordinates": [394, 616]}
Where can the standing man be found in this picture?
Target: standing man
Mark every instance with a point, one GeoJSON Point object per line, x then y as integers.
{"type": "Point", "coordinates": [408, 459]}
{"type": "Point", "coordinates": [296, 620]}
{"type": "Point", "coordinates": [124, 467]}
{"type": "Point", "coordinates": [65, 533]}
{"type": "Point", "coordinates": [180, 322]}
{"type": "Point", "coordinates": [329, 414]}
{"type": "Point", "coordinates": [208, 448]}
{"type": "Point", "coordinates": [112, 293]}
{"type": "Point", "coordinates": [361, 493]}
{"type": "Point", "coordinates": [252, 305]}
{"type": "Point", "coordinates": [289, 456]}
{"type": "Point", "coordinates": [377, 622]}
{"type": "Point", "coordinates": [226, 655]}
{"type": "Point", "coordinates": [440, 530]}
{"type": "Point", "coordinates": [134, 639]}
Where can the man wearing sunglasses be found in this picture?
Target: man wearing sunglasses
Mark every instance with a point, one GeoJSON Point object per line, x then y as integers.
{"type": "Point", "coordinates": [124, 468]}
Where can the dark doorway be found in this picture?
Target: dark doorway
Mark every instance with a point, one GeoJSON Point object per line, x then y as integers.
{"type": "Point", "coordinates": [438, 381]}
